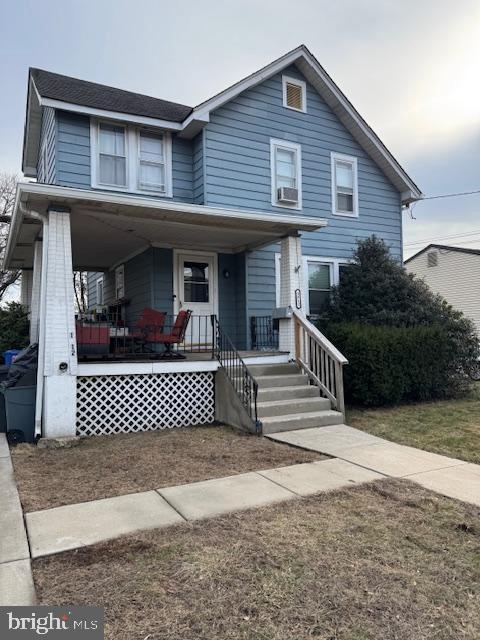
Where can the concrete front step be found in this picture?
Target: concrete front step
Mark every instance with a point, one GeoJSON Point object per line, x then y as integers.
{"type": "Point", "coordinates": [287, 393]}
{"type": "Point", "coordinates": [275, 424]}
{"type": "Point", "coordinates": [288, 380]}
{"type": "Point", "coordinates": [291, 406]}
{"type": "Point", "coordinates": [274, 369]}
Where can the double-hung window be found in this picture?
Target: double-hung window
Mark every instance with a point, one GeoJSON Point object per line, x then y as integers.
{"type": "Point", "coordinates": [344, 185]}
{"type": "Point", "coordinates": [131, 158]}
{"type": "Point", "coordinates": [286, 170]}
{"type": "Point", "coordinates": [112, 155]}
{"type": "Point", "coordinates": [151, 159]}
{"type": "Point", "coordinates": [319, 286]}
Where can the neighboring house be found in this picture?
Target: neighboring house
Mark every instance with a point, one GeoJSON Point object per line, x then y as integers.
{"type": "Point", "coordinates": [251, 201]}
{"type": "Point", "coordinates": [454, 273]}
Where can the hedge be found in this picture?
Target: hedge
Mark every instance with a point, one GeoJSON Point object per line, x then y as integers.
{"type": "Point", "coordinates": [389, 365]}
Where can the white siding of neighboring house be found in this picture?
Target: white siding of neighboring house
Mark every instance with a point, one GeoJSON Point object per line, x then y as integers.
{"type": "Point", "coordinates": [456, 277]}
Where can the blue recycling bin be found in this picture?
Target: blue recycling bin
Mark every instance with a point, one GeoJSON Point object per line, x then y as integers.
{"type": "Point", "coordinates": [9, 355]}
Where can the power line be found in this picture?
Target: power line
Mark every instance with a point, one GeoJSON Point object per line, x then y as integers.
{"type": "Point", "coordinates": [459, 235]}
{"type": "Point", "coordinates": [450, 195]}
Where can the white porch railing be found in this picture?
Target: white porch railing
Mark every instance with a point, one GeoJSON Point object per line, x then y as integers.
{"type": "Point", "coordinates": [321, 360]}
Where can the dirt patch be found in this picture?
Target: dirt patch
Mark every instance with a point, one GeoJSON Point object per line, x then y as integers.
{"type": "Point", "coordinates": [106, 466]}
{"type": "Point", "coordinates": [388, 560]}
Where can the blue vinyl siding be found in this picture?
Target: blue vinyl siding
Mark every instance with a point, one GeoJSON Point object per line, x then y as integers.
{"type": "Point", "coordinates": [138, 284]}
{"type": "Point", "coordinates": [231, 297]}
{"type": "Point", "coordinates": [73, 157]}
{"type": "Point", "coordinates": [238, 174]}
{"type": "Point", "coordinates": [73, 150]}
{"type": "Point", "coordinates": [162, 269]}
{"type": "Point", "coordinates": [46, 159]}
{"type": "Point", "coordinates": [198, 169]}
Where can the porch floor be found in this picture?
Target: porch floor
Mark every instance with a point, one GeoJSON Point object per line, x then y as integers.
{"type": "Point", "coordinates": [201, 356]}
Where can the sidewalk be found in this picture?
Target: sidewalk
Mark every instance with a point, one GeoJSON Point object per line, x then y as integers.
{"type": "Point", "coordinates": [16, 582]}
{"type": "Point", "coordinates": [77, 525]}
{"type": "Point", "coordinates": [357, 457]}
{"type": "Point", "coordinates": [448, 476]}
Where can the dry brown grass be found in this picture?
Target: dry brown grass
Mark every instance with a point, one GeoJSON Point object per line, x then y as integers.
{"type": "Point", "coordinates": [106, 466]}
{"type": "Point", "coordinates": [387, 561]}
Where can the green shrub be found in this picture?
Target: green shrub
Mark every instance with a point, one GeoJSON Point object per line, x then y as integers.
{"type": "Point", "coordinates": [14, 330]}
{"type": "Point", "coordinates": [403, 341]}
{"type": "Point", "coordinates": [389, 365]}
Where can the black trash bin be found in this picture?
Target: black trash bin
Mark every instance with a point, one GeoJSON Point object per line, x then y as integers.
{"type": "Point", "coordinates": [19, 394]}
{"type": "Point", "coordinates": [3, 417]}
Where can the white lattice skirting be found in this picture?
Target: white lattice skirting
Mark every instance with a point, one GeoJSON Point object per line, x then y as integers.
{"type": "Point", "coordinates": [129, 403]}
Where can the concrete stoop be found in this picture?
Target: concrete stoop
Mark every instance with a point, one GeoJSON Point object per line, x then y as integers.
{"type": "Point", "coordinates": [286, 401]}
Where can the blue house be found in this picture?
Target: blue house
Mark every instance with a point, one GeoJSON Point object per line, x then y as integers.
{"type": "Point", "coordinates": [242, 210]}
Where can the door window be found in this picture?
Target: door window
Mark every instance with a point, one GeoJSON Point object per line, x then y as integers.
{"type": "Point", "coordinates": [196, 281]}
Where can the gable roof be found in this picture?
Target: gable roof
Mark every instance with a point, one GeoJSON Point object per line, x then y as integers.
{"type": "Point", "coordinates": [99, 96]}
{"type": "Point", "coordinates": [442, 247]}
{"type": "Point", "coordinates": [68, 93]}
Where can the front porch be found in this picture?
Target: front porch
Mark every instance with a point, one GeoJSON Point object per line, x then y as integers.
{"type": "Point", "coordinates": [165, 256]}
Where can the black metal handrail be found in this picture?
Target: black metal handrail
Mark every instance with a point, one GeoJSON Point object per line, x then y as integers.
{"type": "Point", "coordinates": [245, 385]}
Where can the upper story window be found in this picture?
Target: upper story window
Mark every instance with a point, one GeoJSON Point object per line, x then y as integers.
{"type": "Point", "coordinates": [344, 185]}
{"type": "Point", "coordinates": [112, 155]}
{"type": "Point", "coordinates": [294, 94]}
{"type": "Point", "coordinates": [286, 169]}
{"type": "Point", "coordinates": [129, 158]}
{"type": "Point", "coordinates": [151, 176]}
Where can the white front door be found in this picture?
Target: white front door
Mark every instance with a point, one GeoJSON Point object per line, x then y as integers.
{"type": "Point", "coordinates": [196, 289]}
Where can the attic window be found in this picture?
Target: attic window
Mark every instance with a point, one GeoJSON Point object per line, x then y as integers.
{"type": "Point", "coordinates": [432, 258]}
{"type": "Point", "coordinates": [294, 94]}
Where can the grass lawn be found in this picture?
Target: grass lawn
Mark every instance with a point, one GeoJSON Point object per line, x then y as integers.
{"type": "Point", "coordinates": [448, 427]}
{"type": "Point", "coordinates": [106, 466]}
{"type": "Point", "coordinates": [388, 560]}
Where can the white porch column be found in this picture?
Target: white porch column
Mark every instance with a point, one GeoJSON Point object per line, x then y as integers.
{"type": "Point", "coordinates": [291, 289]}
{"type": "Point", "coordinates": [26, 288]}
{"type": "Point", "coordinates": [35, 298]}
{"type": "Point", "coordinates": [57, 332]}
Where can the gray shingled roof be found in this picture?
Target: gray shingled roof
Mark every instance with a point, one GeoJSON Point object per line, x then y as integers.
{"type": "Point", "coordinates": [98, 96]}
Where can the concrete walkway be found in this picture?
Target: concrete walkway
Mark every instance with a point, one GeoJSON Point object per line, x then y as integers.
{"type": "Point", "coordinates": [358, 457]}
{"type": "Point", "coordinates": [72, 526]}
{"type": "Point", "coordinates": [16, 582]}
{"type": "Point", "coordinates": [448, 476]}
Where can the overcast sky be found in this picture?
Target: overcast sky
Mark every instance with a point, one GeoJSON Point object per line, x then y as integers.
{"type": "Point", "coordinates": [411, 68]}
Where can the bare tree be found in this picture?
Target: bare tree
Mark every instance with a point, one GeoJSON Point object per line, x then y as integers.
{"type": "Point", "coordinates": [80, 287]}
{"type": "Point", "coordinates": [8, 185]}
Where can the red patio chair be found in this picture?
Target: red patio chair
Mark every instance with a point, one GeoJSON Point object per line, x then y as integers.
{"type": "Point", "coordinates": [176, 336]}
{"type": "Point", "coordinates": [150, 326]}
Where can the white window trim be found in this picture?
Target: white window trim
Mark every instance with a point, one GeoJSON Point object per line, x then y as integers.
{"type": "Point", "coordinates": [291, 146]}
{"type": "Point", "coordinates": [351, 159]}
{"type": "Point", "coordinates": [100, 284]}
{"type": "Point", "coordinates": [132, 145]}
{"type": "Point", "coordinates": [120, 273]}
{"type": "Point", "coordinates": [300, 83]}
{"type": "Point", "coordinates": [334, 263]}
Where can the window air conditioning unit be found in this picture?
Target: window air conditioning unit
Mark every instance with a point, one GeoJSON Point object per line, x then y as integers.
{"type": "Point", "coordinates": [287, 195]}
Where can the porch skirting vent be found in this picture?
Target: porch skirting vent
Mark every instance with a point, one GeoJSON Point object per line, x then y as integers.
{"type": "Point", "coordinates": [130, 403]}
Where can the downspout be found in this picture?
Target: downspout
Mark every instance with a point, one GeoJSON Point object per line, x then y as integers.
{"type": "Point", "coordinates": [41, 331]}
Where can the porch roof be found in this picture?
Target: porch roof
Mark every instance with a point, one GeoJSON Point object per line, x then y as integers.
{"type": "Point", "coordinates": [108, 226]}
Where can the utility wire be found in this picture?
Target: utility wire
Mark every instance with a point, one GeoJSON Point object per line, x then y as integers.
{"type": "Point", "coordinates": [458, 235]}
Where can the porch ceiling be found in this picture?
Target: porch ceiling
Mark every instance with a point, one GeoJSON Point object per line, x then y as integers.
{"type": "Point", "coordinates": [107, 226]}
